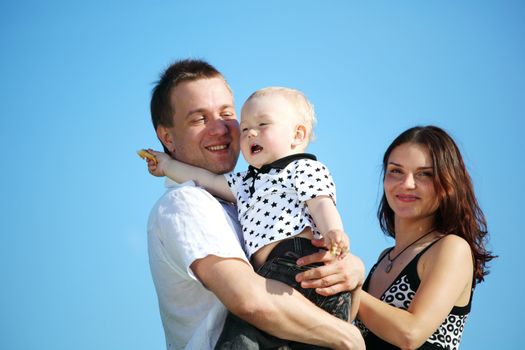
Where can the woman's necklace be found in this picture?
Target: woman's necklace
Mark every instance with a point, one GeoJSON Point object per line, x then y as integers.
{"type": "Point", "coordinates": [391, 260]}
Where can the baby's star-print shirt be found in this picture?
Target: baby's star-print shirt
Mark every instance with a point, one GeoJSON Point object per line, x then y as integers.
{"type": "Point", "coordinates": [271, 201]}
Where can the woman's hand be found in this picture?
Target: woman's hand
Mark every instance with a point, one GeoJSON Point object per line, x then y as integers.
{"type": "Point", "coordinates": [335, 276]}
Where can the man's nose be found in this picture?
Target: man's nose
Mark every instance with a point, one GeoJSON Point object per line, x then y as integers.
{"type": "Point", "coordinates": [218, 127]}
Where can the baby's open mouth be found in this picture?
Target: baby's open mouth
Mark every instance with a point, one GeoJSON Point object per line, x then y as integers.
{"type": "Point", "coordinates": [255, 148]}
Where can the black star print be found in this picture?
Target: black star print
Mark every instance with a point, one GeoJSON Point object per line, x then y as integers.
{"type": "Point", "coordinates": [274, 204]}
{"type": "Point", "coordinates": [265, 201]}
{"type": "Point", "coordinates": [267, 213]}
{"type": "Point", "coordinates": [280, 230]}
{"type": "Point", "coordinates": [257, 223]}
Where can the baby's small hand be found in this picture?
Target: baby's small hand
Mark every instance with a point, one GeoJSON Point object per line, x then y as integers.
{"type": "Point", "coordinates": [337, 242]}
{"type": "Point", "coordinates": [146, 155]}
{"type": "Point", "coordinates": [157, 161]}
{"type": "Point", "coordinates": [158, 168]}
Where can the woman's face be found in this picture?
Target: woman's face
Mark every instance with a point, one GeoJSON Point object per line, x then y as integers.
{"type": "Point", "coordinates": [408, 184]}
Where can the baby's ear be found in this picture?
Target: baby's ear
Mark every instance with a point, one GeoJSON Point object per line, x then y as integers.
{"type": "Point", "coordinates": [301, 136]}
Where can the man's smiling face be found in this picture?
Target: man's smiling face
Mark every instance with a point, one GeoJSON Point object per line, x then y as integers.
{"type": "Point", "coordinates": [205, 130]}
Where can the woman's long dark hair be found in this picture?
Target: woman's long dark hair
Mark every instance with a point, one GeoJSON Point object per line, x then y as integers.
{"type": "Point", "coordinates": [458, 212]}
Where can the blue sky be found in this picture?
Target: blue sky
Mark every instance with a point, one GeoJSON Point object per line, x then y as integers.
{"type": "Point", "coordinates": [76, 83]}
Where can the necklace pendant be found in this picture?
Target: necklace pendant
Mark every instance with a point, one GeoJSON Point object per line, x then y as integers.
{"type": "Point", "coordinates": [389, 266]}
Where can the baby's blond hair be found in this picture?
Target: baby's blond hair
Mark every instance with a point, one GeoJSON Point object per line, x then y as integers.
{"type": "Point", "coordinates": [305, 109]}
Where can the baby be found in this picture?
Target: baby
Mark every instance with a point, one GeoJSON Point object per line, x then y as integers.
{"type": "Point", "coordinates": [286, 197]}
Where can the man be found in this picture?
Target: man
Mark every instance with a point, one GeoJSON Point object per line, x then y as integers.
{"type": "Point", "coordinates": [196, 259]}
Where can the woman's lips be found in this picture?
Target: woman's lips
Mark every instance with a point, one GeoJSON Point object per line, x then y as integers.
{"type": "Point", "coordinates": [407, 197]}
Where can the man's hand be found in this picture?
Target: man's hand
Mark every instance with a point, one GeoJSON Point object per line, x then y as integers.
{"type": "Point", "coordinates": [334, 276]}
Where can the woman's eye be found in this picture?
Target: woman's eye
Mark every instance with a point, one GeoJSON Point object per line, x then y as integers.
{"type": "Point", "coordinates": [426, 174]}
{"type": "Point", "coordinates": [263, 124]}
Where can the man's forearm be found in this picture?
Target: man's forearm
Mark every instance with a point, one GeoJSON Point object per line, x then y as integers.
{"type": "Point", "coordinates": [289, 315]}
{"type": "Point", "coordinates": [273, 306]}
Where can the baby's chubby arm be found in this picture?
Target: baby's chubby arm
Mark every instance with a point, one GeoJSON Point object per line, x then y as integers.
{"type": "Point", "coordinates": [181, 172]}
{"type": "Point", "coordinates": [329, 223]}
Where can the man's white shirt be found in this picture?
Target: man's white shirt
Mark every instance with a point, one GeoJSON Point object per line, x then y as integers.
{"type": "Point", "coordinates": [186, 224]}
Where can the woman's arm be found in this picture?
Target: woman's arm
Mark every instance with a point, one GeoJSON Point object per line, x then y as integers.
{"type": "Point", "coordinates": [445, 273]}
{"type": "Point", "coordinates": [181, 172]}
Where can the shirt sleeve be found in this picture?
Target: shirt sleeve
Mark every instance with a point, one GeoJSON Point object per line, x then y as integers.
{"type": "Point", "coordinates": [192, 225]}
{"type": "Point", "coordinates": [235, 181]}
{"type": "Point", "coordinates": [311, 178]}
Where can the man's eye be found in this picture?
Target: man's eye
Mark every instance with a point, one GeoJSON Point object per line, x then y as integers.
{"type": "Point", "coordinates": [244, 129]}
{"type": "Point", "coordinates": [263, 124]}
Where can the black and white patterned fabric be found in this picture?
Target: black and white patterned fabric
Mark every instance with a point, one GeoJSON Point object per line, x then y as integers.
{"type": "Point", "coordinates": [271, 201]}
{"type": "Point", "coordinates": [400, 294]}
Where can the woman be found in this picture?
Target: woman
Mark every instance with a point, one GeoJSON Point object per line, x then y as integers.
{"type": "Point", "coordinates": [419, 292]}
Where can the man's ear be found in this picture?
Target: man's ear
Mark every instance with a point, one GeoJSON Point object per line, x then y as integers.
{"type": "Point", "coordinates": [300, 137]}
{"type": "Point", "coordinates": [164, 135]}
